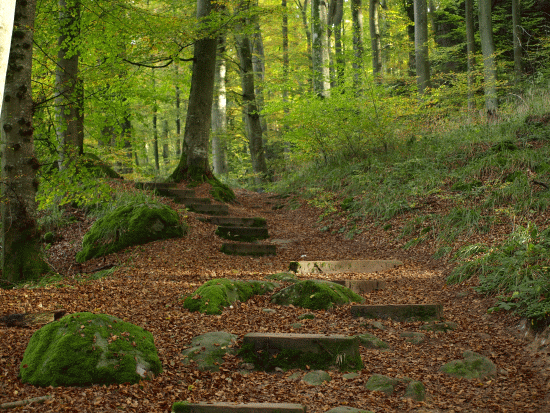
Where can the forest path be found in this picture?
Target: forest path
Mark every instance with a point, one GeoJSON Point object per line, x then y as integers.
{"type": "Point", "coordinates": [146, 290]}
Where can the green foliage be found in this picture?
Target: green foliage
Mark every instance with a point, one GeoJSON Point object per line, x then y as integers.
{"type": "Point", "coordinates": [517, 270]}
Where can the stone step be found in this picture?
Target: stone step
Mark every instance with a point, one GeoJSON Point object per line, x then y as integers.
{"type": "Point", "coordinates": [236, 221]}
{"type": "Point", "coordinates": [209, 209]}
{"type": "Point", "coordinates": [361, 286]}
{"type": "Point", "coordinates": [181, 193]}
{"type": "Point", "coordinates": [399, 312]}
{"type": "Point", "coordinates": [251, 249]}
{"type": "Point", "coordinates": [221, 407]}
{"type": "Point", "coordinates": [319, 351]}
{"type": "Point", "coordinates": [193, 201]}
{"type": "Point", "coordinates": [328, 267]}
{"type": "Point", "coordinates": [242, 233]}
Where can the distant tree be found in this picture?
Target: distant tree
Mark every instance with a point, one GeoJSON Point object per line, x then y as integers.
{"type": "Point", "coordinates": [320, 57]}
{"type": "Point", "coordinates": [516, 33]}
{"type": "Point", "coordinates": [358, 48]}
{"type": "Point", "coordinates": [421, 45]}
{"type": "Point", "coordinates": [21, 255]}
{"type": "Point", "coordinates": [470, 50]}
{"type": "Point", "coordinates": [374, 27]}
{"type": "Point", "coordinates": [489, 63]}
{"type": "Point", "coordinates": [219, 112]}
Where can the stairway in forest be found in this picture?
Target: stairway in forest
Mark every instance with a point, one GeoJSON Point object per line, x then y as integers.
{"type": "Point", "coordinates": [242, 232]}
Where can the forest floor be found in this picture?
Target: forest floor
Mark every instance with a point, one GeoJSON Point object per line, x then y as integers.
{"type": "Point", "coordinates": [146, 288]}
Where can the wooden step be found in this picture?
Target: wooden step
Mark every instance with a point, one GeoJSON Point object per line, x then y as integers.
{"type": "Point", "coordinates": [181, 193]}
{"type": "Point", "coordinates": [361, 286]}
{"type": "Point", "coordinates": [242, 233]}
{"type": "Point", "coordinates": [251, 249]}
{"type": "Point", "coordinates": [399, 312]}
{"type": "Point", "coordinates": [193, 201]}
{"type": "Point", "coordinates": [155, 185]}
{"type": "Point", "coordinates": [223, 407]}
{"type": "Point", "coordinates": [328, 350]}
{"type": "Point", "coordinates": [328, 267]}
{"type": "Point", "coordinates": [209, 209]}
{"type": "Point", "coordinates": [236, 221]}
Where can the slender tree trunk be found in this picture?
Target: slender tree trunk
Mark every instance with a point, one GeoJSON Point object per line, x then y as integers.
{"type": "Point", "coordinates": [286, 59]}
{"type": "Point", "coordinates": [219, 112]}
{"type": "Point", "coordinates": [470, 50]}
{"type": "Point", "coordinates": [250, 108]}
{"type": "Point", "coordinates": [165, 145]}
{"type": "Point", "coordinates": [335, 15]}
{"type": "Point", "coordinates": [178, 113]}
{"type": "Point", "coordinates": [258, 64]}
{"type": "Point", "coordinates": [307, 31]}
{"type": "Point", "coordinates": [194, 160]}
{"type": "Point", "coordinates": [320, 57]}
{"type": "Point", "coordinates": [155, 127]}
{"type": "Point", "coordinates": [21, 257]}
{"type": "Point", "coordinates": [374, 27]}
{"type": "Point", "coordinates": [516, 32]}
{"type": "Point", "coordinates": [409, 9]}
{"type": "Point", "coordinates": [421, 45]}
{"type": "Point", "coordinates": [70, 133]}
{"type": "Point", "coordinates": [489, 64]}
{"type": "Point", "coordinates": [358, 48]}
{"type": "Point", "coordinates": [7, 10]}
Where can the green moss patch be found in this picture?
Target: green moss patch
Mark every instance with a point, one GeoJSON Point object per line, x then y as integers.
{"type": "Point", "coordinates": [130, 225]}
{"type": "Point", "coordinates": [315, 295]}
{"type": "Point", "coordinates": [317, 377]}
{"type": "Point", "coordinates": [414, 389]}
{"type": "Point", "coordinates": [214, 295]}
{"type": "Point", "coordinates": [286, 277]}
{"type": "Point", "coordinates": [473, 366]}
{"type": "Point", "coordinates": [84, 348]}
{"type": "Point", "coordinates": [371, 341]}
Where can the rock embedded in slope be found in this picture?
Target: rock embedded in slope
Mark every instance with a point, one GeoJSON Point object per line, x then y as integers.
{"type": "Point", "coordinates": [315, 295]}
{"type": "Point", "coordinates": [132, 224]}
{"type": "Point", "coordinates": [214, 295]}
{"type": "Point", "coordinates": [316, 377]}
{"type": "Point", "coordinates": [208, 349]}
{"type": "Point", "coordinates": [84, 348]}
{"type": "Point", "coordinates": [472, 366]}
{"type": "Point", "coordinates": [371, 341]}
{"type": "Point", "coordinates": [414, 390]}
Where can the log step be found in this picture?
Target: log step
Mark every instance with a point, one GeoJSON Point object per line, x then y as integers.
{"type": "Point", "coordinates": [181, 193]}
{"type": "Point", "coordinates": [155, 185]}
{"type": "Point", "coordinates": [221, 407]}
{"type": "Point", "coordinates": [287, 350]}
{"type": "Point", "coordinates": [192, 201]}
{"type": "Point", "coordinates": [242, 233]}
{"type": "Point", "coordinates": [328, 267]}
{"type": "Point", "coordinates": [362, 286]}
{"type": "Point", "coordinates": [399, 312]}
{"type": "Point", "coordinates": [235, 221]}
{"type": "Point", "coordinates": [249, 249]}
{"type": "Point", "coordinates": [209, 209]}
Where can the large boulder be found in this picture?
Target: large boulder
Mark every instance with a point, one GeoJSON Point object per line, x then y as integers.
{"type": "Point", "coordinates": [84, 348]}
{"type": "Point", "coordinates": [131, 224]}
{"type": "Point", "coordinates": [315, 295]}
{"type": "Point", "coordinates": [214, 295]}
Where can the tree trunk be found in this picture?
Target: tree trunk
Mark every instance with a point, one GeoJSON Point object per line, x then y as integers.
{"type": "Point", "coordinates": [178, 113]}
{"type": "Point", "coordinates": [305, 25]}
{"type": "Point", "coordinates": [21, 256]}
{"type": "Point", "coordinates": [516, 32]}
{"type": "Point", "coordinates": [219, 112]}
{"type": "Point", "coordinates": [286, 59]}
{"type": "Point", "coordinates": [250, 108]}
{"type": "Point", "coordinates": [421, 45]}
{"type": "Point", "coordinates": [258, 64]}
{"type": "Point", "coordinates": [409, 9]}
{"type": "Point", "coordinates": [470, 50]}
{"type": "Point", "coordinates": [489, 64]}
{"type": "Point", "coordinates": [165, 145]}
{"type": "Point", "coordinates": [69, 107]}
{"type": "Point", "coordinates": [335, 15]}
{"type": "Point", "coordinates": [358, 48]}
{"type": "Point", "coordinates": [320, 58]}
{"type": "Point", "coordinates": [155, 126]}
{"type": "Point", "coordinates": [375, 40]}
{"type": "Point", "coordinates": [194, 159]}
{"type": "Point", "coordinates": [7, 10]}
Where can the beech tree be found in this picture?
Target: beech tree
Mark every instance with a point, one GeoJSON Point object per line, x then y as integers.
{"type": "Point", "coordinates": [7, 10]}
{"type": "Point", "coordinates": [488, 51]}
{"type": "Point", "coordinates": [320, 58]}
{"type": "Point", "coordinates": [358, 48]}
{"type": "Point", "coordinates": [21, 255]}
{"type": "Point", "coordinates": [421, 45]}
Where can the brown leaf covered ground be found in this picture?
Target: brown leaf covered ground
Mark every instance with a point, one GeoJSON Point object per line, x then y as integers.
{"type": "Point", "coordinates": [146, 291]}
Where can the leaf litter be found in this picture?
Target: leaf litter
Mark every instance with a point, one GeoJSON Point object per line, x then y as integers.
{"type": "Point", "coordinates": [150, 279]}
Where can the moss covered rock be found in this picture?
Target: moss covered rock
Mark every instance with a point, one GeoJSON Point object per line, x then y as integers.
{"type": "Point", "coordinates": [414, 390]}
{"type": "Point", "coordinates": [316, 378]}
{"type": "Point", "coordinates": [207, 350]}
{"type": "Point", "coordinates": [286, 277]}
{"type": "Point", "coordinates": [473, 366]}
{"type": "Point", "coordinates": [371, 341]}
{"type": "Point", "coordinates": [85, 348]}
{"type": "Point", "coordinates": [214, 295]}
{"type": "Point", "coordinates": [315, 295]}
{"type": "Point", "coordinates": [127, 225]}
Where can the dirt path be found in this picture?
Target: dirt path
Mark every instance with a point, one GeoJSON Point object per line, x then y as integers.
{"type": "Point", "coordinates": [146, 291]}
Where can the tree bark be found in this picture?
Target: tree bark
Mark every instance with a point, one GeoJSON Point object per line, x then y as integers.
{"type": "Point", "coordinates": [286, 59]}
{"type": "Point", "coordinates": [250, 108]}
{"type": "Point", "coordinates": [178, 113]}
{"type": "Point", "coordinates": [358, 48]}
{"type": "Point", "coordinates": [489, 64]}
{"type": "Point", "coordinates": [375, 40]}
{"type": "Point", "coordinates": [335, 15]}
{"type": "Point", "coordinates": [155, 126]}
{"type": "Point", "coordinates": [7, 10]}
{"type": "Point", "coordinates": [219, 112]}
{"type": "Point", "coordinates": [258, 64]}
{"type": "Point", "coordinates": [421, 45]}
{"type": "Point", "coordinates": [305, 25]}
{"type": "Point", "coordinates": [320, 57]}
{"type": "Point", "coordinates": [194, 159]}
{"type": "Point", "coordinates": [470, 50]}
{"type": "Point", "coordinates": [516, 32]}
{"type": "Point", "coordinates": [69, 100]}
{"type": "Point", "coordinates": [21, 256]}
